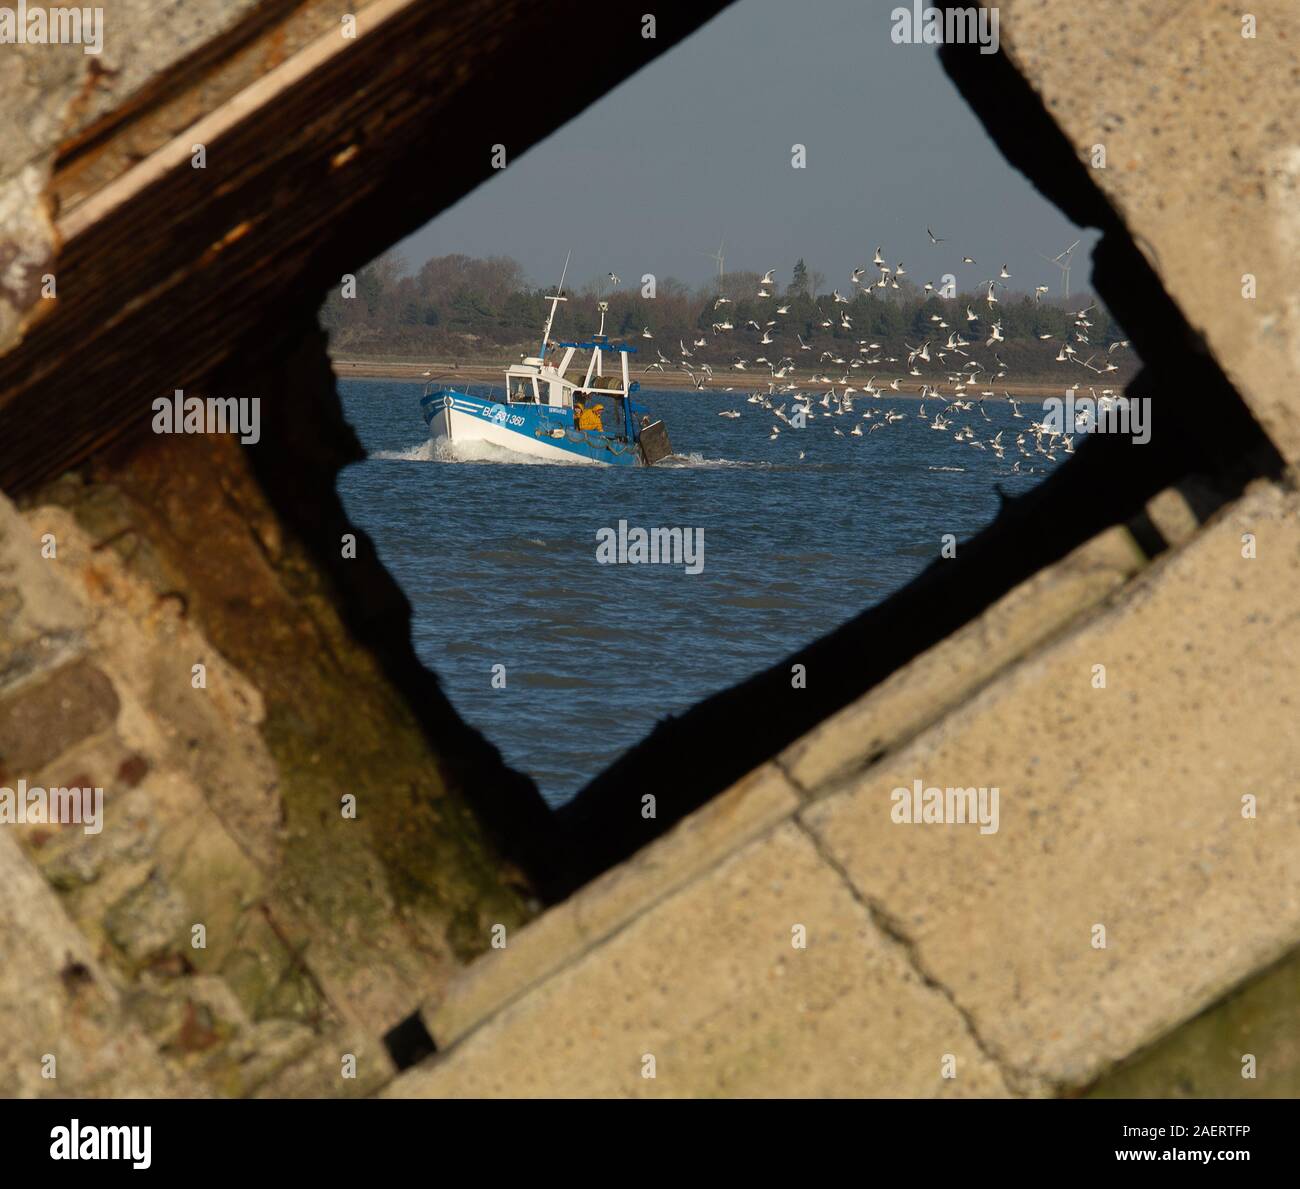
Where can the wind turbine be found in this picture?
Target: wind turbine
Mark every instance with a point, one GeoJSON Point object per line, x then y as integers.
{"type": "Point", "coordinates": [1062, 261]}
{"type": "Point", "coordinates": [719, 258]}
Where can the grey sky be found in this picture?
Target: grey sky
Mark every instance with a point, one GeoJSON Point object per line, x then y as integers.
{"type": "Point", "coordinates": [697, 148]}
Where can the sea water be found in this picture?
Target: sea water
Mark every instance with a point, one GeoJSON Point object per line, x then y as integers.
{"type": "Point", "coordinates": [562, 659]}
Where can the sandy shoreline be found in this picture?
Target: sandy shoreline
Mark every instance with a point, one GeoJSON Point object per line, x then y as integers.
{"type": "Point", "coordinates": [492, 373]}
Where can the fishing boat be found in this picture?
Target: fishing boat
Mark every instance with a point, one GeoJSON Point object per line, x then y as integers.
{"type": "Point", "coordinates": [553, 409]}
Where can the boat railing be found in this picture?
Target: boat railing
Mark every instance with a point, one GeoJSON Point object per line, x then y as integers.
{"type": "Point", "coordinates": [455, 384]}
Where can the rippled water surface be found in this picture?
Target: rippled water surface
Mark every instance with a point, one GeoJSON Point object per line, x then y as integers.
{"type": "Point", "coordinates": [499, 558]}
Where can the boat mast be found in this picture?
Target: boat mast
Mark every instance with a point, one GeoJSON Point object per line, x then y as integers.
{"type": "Point", "coordinates": [555, 301]}
{"type": "Point", "coordinates": [603, 307]}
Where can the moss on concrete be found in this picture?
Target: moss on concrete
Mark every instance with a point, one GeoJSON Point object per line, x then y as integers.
{"type": "Point", "coordinates": [1204, 1058]}
{"type": "Point", "coordinates": [384, 904]}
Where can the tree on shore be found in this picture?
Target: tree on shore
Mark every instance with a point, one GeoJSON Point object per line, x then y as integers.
{"type": "Point", "coordinates": [799, 280]}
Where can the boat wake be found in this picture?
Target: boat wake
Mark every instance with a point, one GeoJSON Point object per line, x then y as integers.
{"type": "Point", "coordinates": [423, 452]}
{"type": "Point", "coordinates": [698, 460]}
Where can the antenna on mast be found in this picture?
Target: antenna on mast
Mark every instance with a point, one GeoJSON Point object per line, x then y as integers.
{"type": "Point", "coordinates": [555, 300]}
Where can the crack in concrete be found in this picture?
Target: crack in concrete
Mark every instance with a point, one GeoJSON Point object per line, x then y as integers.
{"type": "Point", "coordinates": [1017, 1081]}
{"type": "Point", "coordinates": [801, 791]}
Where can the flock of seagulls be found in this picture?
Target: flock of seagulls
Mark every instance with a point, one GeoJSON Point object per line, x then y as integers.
{"type": "Point", "coordinates": [1048, 444]}
{"type": "Point", "coordinates": [953, 389]}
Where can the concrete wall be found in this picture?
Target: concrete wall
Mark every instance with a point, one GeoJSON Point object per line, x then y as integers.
{"type": "Point", "coordinates": [1131, 926]}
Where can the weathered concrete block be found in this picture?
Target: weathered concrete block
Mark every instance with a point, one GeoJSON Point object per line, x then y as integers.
{"type": "Point", "coordinates": [388, 900]}
{"type": "Point", "coordinates": [191, 831]}
{"type": "Point", "coordinates": [41, 623]}
{"type": "Point", "coordinates": [708, 983]}
{"type": "Point", "coordinates": [46, 716]}
{"type": "Point", "coordinates": [1122, 807]}
{"type": "Point", "coordinates": [208, 731]}
{"type": "Point", "coordinates": [60, 1004]}
{"type": "Point", "coordinates": [1193, 156]}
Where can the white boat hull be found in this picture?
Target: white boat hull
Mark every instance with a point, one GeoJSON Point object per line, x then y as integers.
{"type": "Point", "coordinates": [456, 427]}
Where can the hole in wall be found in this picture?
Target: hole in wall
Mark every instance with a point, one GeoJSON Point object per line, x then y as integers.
{"type": "Point", "coordinates": [564, 661]}
{"type": "Point", "coordinates": [409, 1042]}
{"type": "Point", "coordinates": [712, 742]}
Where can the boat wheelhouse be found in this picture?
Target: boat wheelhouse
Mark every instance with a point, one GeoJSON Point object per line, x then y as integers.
{"type": "Point", "coordinates": [553, 409]}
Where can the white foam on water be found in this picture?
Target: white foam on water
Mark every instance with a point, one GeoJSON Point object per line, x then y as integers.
{"type": "Point", "coordinates": [698, 460]}
{"type": "Point", "coordinates": [443, 451]}
{"type": "Point", "coordinates": [421, 452]}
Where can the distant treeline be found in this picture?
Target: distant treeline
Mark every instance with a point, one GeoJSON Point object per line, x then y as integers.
{"type": "Point", "coordinates": [464, 309]}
